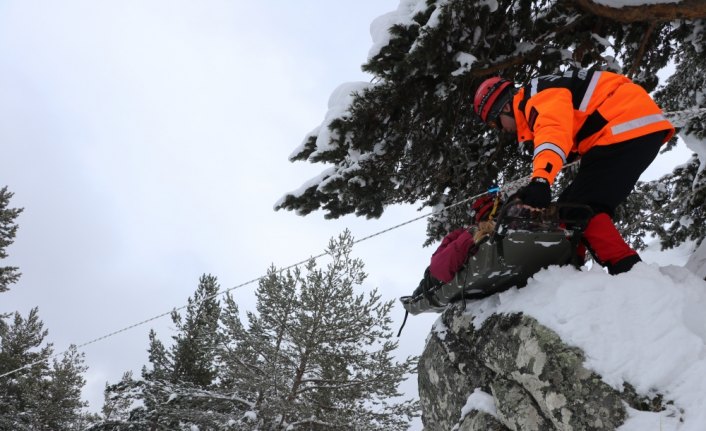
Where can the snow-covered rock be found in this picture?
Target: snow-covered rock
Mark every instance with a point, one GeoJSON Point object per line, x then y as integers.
{"type": "Point", "coordinates": [574, 350]}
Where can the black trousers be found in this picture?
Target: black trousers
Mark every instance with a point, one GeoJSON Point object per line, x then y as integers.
{"type": "Point", "coordinates": [608, 174]}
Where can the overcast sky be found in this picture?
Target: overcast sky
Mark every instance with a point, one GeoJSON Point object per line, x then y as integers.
{"type": "Point", "coordinates": [148, 141]}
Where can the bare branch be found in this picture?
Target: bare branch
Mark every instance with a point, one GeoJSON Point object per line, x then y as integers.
{"type": "Point", "coordinates": [685, 9]}
{"type": "Point", "coordinates": [641, 50]}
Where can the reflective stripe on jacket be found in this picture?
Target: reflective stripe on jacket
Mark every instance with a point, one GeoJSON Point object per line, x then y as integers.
{"type": "Point", "coordinates": [579, 110]}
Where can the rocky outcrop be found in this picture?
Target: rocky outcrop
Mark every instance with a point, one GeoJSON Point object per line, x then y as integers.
{"type": "Point", "coordinates": [536, 381]}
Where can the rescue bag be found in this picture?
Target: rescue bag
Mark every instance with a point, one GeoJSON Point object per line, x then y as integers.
{"type": "Point", "coordinates": [523, 243]}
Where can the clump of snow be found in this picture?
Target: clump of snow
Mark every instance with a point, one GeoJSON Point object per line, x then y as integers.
{"type": "Point", "coordinates": [379, 28]}
{"type": "Point", "coordinates": [479, 401]}
{"type": "Point", "coordinates": [696, 145]}
{"type": "Point", "coordinates": [315, 181]}
{"type": "Point", "coordinates": [338, 107]}
{"type": "Point", "coordinates": [250, 416]}
{"type": "Point", "coordinates": [404, 15]}
{"type": "Point", "coordinates": [465, 60]}
{"type": "Point", "coordinates": [440, 329]}
{"type": "Point", "coordinates": [646, 327]}
{"type": "Point", "coordinates": [434, 20]}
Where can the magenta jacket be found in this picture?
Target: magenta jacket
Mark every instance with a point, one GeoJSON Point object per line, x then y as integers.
{"type": "Point", "coordinates": [449, 258]}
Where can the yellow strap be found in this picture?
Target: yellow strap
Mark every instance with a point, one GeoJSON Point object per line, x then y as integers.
{"type": "Point", "coordinates": [495, 207]}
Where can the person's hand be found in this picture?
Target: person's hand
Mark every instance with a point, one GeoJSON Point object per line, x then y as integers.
{"type": "Point", "coordinates": [536, 194]}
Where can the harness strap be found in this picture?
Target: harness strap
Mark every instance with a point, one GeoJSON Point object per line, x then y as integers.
{"type": "Point", "coordinates": [406, 313]}
{"type": "Point", "coordinates": [496, 204]}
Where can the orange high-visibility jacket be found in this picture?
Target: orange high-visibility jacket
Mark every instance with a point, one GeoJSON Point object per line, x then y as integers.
{"type": "Point", "coordinates": [579, 110]}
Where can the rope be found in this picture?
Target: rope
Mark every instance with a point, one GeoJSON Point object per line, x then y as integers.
{"type": "Point", "coordinates": [509, 186]}
{"type": "Point", "coordinates": [159, 316]}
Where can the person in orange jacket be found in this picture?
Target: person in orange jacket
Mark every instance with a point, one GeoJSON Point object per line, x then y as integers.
{"type": "Point", "coordinates": [604, 118]}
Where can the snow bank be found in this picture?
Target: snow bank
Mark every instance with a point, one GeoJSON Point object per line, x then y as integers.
{"type": "Point", "coordinates": [646, 327]}
{"type": "Point", "coordinates": [697, 261]}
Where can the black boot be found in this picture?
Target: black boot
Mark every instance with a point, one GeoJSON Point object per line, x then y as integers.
{"type": "Point", "coordinates": [623, 265]}
{"type": "Point", "coordinates": [427, 285]}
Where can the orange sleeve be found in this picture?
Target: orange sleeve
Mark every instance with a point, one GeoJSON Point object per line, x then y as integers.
{"type": "Point", "coordinates": [550, 114]}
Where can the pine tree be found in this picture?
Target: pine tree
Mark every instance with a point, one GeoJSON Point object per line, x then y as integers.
{"type": "Point", "coordinates": [196, 340]}
{"type": "Point", "coordinates": [41, 393]}
{"type": "Point", "coordinates": [673, 206]}
{"type": "Point", "coordinates": [677, 199]}
{"type": "Point", "coordinates": [174, 391]}
{"type": "Point", "coordinates": [316, 356]}
{"type": "Point", "coordinates": [62, 406]}
{"type": "Point", "coordinates": [250, 355]}
{"type": "Point", "coordinates": [185, 370]}
{"type": "Point", "coordinates": [44, 396]}
{"type": "Point", "coordinates": [118, 401]}
{"type": "Point", "coordinates": [8, 229]}
{"type": "Point", "coordinates": [410, 136]}
{"type": "Point", "coordinates": [683, 192]}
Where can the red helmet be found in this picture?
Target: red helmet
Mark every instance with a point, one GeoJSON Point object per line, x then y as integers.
{"type": "Point", "coordinates": [488, 96]}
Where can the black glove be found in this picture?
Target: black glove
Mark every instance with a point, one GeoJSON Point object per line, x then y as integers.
{"type": "Point", "coordinates": [536, 194]}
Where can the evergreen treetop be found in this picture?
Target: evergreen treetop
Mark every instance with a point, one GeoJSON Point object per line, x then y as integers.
{"type": "Point", "coordinates": [314, 355]}
{"type": "Point", "coordinates": [8, 230]}
{"type": "Point", "coordinates": [41, 393]}
{"type": "Point", "coordinates": [319, 355]}
{"type": "Point", "coordinates": [45, 396]}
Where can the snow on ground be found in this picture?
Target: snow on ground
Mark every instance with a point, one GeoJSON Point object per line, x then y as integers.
{"type": "Point", "coordinates": [697, 261]}
{"type": "Point", "coordinates": [646, 327]}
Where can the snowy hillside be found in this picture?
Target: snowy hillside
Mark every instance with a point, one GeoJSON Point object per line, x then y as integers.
{"type": "Point", "coordinates": [646, 327]}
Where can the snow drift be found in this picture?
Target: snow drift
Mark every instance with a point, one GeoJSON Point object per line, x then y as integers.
{"type": "Point", "coordinates": [646, 327]}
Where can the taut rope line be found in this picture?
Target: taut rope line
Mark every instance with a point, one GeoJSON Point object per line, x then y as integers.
{"type": "Point", "coordinates": [221, 292]}
{"type": "Point", "coordinates": [673, 115]}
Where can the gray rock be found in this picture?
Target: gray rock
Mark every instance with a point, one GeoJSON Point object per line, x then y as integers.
{"type": "Point", "coordinates": [480, 421]}
{"type": "Point", "coordinates": [538, 382]}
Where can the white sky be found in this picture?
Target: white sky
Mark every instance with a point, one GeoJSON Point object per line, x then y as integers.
{"type": "Point", "coordinates": [148, 141]}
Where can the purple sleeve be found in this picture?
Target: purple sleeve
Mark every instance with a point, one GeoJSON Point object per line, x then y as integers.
{"type": "Point", "coordinates": [451, 255]}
